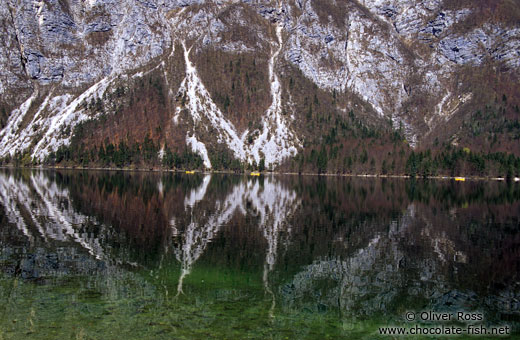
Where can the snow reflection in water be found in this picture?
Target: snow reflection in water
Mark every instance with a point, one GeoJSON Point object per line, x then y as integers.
{"type": "Point", "coordinates": [336, 257]}
{"type": "Point", "coordinates": [48, 208]}
{"type": "Point", "coordinates": [269, 200]}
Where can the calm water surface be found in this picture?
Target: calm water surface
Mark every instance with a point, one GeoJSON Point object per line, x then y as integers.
{"type": "Point", "coordinates": [112, 255]}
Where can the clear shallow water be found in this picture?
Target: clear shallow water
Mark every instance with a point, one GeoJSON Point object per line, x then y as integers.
{"type": "Point", "coordinates": [111, 255]}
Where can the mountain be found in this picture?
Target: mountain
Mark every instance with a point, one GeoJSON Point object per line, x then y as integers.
{"type": "Point", "coordinates": [290, 84]}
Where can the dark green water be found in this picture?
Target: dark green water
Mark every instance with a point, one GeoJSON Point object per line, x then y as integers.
{"type": "Point", "coordinates": [111, 255]}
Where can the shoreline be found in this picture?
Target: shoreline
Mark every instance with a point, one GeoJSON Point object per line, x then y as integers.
{"type": "Point", "coordinates": [265, 173]}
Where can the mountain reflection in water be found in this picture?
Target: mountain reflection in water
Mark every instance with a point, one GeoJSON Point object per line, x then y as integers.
{"type": "Point", "coordinates": [278, 256]}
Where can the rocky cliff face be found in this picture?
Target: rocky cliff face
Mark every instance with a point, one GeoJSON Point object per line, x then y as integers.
{"type": "Point", "coordinates": [240, 76]}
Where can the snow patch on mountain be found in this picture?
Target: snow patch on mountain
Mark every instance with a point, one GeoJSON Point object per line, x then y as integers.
{"type": "Point", "coordinates": [12, 139]}
{"type": "Point", "coordinates": [275, 142]}
{"type": "Point", "coordinates": [46, 128]}
{"type": "Point", "coordinates": [200, 149]}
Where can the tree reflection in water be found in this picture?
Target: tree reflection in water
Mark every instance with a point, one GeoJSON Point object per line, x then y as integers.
{"type": "Point", "coordinates": [344, 247]}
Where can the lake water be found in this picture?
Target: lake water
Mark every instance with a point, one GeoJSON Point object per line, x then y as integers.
{"type": "Point", "coordinates": [119, 255]}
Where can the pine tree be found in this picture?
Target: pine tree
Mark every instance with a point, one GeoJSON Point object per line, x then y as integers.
{"type": "Point", "coordinates": [261, 164]}
{"type": "Point", "coordinates": [322, 161]}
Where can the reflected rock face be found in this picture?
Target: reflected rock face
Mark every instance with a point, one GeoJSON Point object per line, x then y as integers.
{"type": "Point", "coordinates": [414, 264]}
{"type": "Point", "coordinates": [41, 209]}
{"type": "Point", "coordinates": [45, 239]}
{"type": "Point", "coordinates": [271, 202]}
{"type": "Point", "coordinates": [363, 248]}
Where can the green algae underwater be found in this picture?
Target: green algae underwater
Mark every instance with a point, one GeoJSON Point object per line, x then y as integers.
{"type": "Point", "coordinates": [112, 255]}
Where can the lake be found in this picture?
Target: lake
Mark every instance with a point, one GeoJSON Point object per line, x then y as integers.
{"type": "Point", "coordinates": [135, 255]}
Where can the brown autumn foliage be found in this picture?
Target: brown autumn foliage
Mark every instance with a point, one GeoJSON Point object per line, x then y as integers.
{"type": "Point", "coordinates": [140, 107]}
{"type": "Point", "coordinates": [142, 111]}
{"type": "Point", "coordinates": [337, 10]}
{"type": "Point", "coordinates": [488, 122]}
{"type": "Point", "coordinates": [355, 139]}
{"type": "Point", "coordinates": [98, 38]}
{"type": "Point", "coordinates": [238, 84]}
